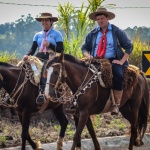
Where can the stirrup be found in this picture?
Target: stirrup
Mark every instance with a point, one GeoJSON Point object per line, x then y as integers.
{"type": "Point", "coordinates": [40, 99]}
{"type": "Point", "coordinates": [71, 110]}
{"type": "Point", "coordinates": [115, 110]}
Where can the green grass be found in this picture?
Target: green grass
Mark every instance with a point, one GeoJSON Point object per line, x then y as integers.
{"type": "Point", "coordinates": [2, 140]}
{"type": "Point", "coordinates": [6, 57]}
{"type": "Point", "coordinates": [117, 123]}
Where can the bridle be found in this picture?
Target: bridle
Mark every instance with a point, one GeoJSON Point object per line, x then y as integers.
{"type": "Point", "coordinates": [86, 84]}
{"type": "Point", "coordinates": [60, 87]}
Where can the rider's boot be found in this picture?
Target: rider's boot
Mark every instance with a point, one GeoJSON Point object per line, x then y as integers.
{"type": "Point", "coordinates": [117, 97]}
{"type": "Point", "coordinates": [41, 97]}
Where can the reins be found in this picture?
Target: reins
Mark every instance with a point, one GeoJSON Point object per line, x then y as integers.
{"type": "Point", "coordinates": [81, 90]}
{"type": "Point", "coordinates": [15, 91]}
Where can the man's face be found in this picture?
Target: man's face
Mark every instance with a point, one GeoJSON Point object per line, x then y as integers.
{"type": "Point", "coordinates": [102, 21]}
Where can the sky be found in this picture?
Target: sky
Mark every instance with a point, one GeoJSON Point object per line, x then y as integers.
{"type": "Point", "coordinates": [125, 16]}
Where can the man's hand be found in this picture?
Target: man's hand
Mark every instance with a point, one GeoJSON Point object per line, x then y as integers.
{"type": "Point", "coordinates": [25, 57]}
{"type": "Point", "coordinates": [121, 62]}
{"type": "Point", "coordinates": [87, 55]}
{"type": "Point", "coordinates": [117, 62]}
{"type": "Point", "coordinates": [46, 44]}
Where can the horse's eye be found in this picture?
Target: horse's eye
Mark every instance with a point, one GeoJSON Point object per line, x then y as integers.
{"type": "Point", "coordinates": [55, 73]}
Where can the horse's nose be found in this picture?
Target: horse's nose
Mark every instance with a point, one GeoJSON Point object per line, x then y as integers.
{"type": "Point", "coordinates": [52, 92]}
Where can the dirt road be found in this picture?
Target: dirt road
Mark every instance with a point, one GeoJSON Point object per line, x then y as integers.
{"type": "Point", "coordinates": [108, 143]}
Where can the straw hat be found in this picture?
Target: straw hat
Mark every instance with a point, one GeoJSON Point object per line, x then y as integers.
{"type": "Point", "coordinates": [46, 15]}
{"type": "Point", "coordinates": [101, 10]}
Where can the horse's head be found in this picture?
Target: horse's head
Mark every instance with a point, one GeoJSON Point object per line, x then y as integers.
{"type": "Point", "coordinates": [55, 74]}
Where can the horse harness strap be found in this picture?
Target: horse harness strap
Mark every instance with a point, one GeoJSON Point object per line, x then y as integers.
{"type": "Point", "coordinates": [81, 90]}
{"type": "Point", "coordinates": [62, 86]}
{"type": "Point", "coordinates": [98, 74]}
{"type": "Point", "coordinates": [60, 74]}
{"type": "Point", "coordinates": [15, 92]}
{"type": "Point", "coordinates": [94, 78]}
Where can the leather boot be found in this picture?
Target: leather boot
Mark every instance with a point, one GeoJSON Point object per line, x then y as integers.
{"type": "Point", "coordinates": [41, 97]}
{"type": "Point", "coordinates": [117, 97]}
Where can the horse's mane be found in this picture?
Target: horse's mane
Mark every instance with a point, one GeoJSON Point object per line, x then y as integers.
{"type": "Point", "coordinates": [4, 64]}
{"type": "Point", "coordinates": [74, 60]}
{"type": "Point", "coordinates": [67, 57]}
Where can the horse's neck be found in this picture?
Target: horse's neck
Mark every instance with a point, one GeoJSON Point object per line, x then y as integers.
{"type": "Point", "coordinates": [10, 77]}
{"type": "Point", "coordinates": [75, 75]}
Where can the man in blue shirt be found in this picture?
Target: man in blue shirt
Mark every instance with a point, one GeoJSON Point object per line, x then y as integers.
{"type": "Point", "coordinates": [107, 41]}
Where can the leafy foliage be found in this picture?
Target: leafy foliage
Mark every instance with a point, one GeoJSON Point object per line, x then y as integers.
{"type": "Point", "coordinates": [2, 140]}
{"type": "Point", "coordinates": [139, 47]}
{"type": "Point", "coordinates": [74, 24]}
{"type": "Point", "coordinates": [18, 36]}
{"type": "Point", "coordinates": [7, 57]}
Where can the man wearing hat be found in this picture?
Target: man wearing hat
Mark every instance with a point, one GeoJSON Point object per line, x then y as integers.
{"type": "Point", "coordinates": [45, 41]}
{"type": "Point", "coordinates": [107, 41]}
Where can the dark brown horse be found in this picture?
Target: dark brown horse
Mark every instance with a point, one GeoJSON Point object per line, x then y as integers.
{"type": "Point", "coordinates": [91, 97]}
{"type": "Point", "coordinates": [13, 79]}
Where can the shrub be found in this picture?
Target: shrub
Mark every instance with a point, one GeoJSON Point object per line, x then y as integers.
{"type": "Point", "coordinates": [136, 56]}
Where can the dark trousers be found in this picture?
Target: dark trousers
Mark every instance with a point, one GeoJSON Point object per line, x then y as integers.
{"type": "Point", "coordinates": [43, 80]}
{"type": "Point", "coordinates": [118, 79]}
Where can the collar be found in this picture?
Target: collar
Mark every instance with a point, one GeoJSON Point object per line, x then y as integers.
{"type": "Point", "coordinates": [43, 32]}
{"type": "Point", "coordinates": [109, 27]}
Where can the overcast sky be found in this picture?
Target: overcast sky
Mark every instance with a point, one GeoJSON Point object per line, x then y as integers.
{"type": "Point", "coordinates": [125, 17]}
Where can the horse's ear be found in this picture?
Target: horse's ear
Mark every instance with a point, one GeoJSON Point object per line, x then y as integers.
{"type": "Point", "coordinates": [61, 57]}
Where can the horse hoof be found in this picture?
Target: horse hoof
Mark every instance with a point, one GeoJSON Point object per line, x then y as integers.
{"type": "Point", "coordinates": [38, 146]}
{"type": "Point", "coordinates": [142, 143]}
{"type": "Point", "coordinates": [101, 148]}
{"type": "Point", "coordinates": [78, 148]}
{"type": "Point", "coordinates": [60, 143]}
{"type": "Point", "coordinates": [138, 143]}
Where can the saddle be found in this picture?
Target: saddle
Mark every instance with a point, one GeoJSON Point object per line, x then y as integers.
{"type": "Point", "coordinates": [34, 79]}
{"type": "Point", "coordinates": [104, 68]}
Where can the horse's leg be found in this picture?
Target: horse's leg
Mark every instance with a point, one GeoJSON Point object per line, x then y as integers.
{"type": "Point", "coordinates": [58, 111]}
{"type": "Point", "coordinates": [76, 119]}
{"type": "Point", "coordinates": [126, 113]}
{"type": "Point", "coordinates": [25, 121]}
{"type": "Point", "coordinates": [132, 116]}
{"type": "Point", "coordinates": [134, 126]}
{"type": "Point", "coordinates": [83, 117]}
{"type": "Point", "coordinates": [93, 135]}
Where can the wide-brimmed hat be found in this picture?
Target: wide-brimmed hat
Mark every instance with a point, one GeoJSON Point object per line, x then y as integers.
{"type": "Point", "coordinates": [101, 10]}
{"type": "Point", "coordinates": [46, 15]}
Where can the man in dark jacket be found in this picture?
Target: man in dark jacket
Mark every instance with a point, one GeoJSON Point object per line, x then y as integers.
{"type": "Point", "coordinates": [107, 41]}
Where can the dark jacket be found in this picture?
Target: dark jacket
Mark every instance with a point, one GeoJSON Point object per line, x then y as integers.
{"type": "Point", "coordinates": [121, 41]}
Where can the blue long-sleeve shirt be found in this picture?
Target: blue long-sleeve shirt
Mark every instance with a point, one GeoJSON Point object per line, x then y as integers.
{"type": "Point", "coordinates": [120, 40]}
{"type": "Point", "coordinates": [110, 48]}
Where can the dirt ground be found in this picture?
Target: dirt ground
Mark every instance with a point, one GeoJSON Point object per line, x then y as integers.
{"type": "Point", "coordinates": [44, 127]}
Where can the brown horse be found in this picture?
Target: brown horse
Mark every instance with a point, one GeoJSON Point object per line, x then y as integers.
{"type": "Point", "coordinates": [17, 83]}
{"type": "Point", "coordinates": [90, 97]}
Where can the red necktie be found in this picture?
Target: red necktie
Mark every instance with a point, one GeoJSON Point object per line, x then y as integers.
{"type": "Point", "coordinates": [101, 50]}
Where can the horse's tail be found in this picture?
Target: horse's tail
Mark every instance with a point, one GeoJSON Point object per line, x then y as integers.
{"type": "Point", "coordinates": [144, 109]}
